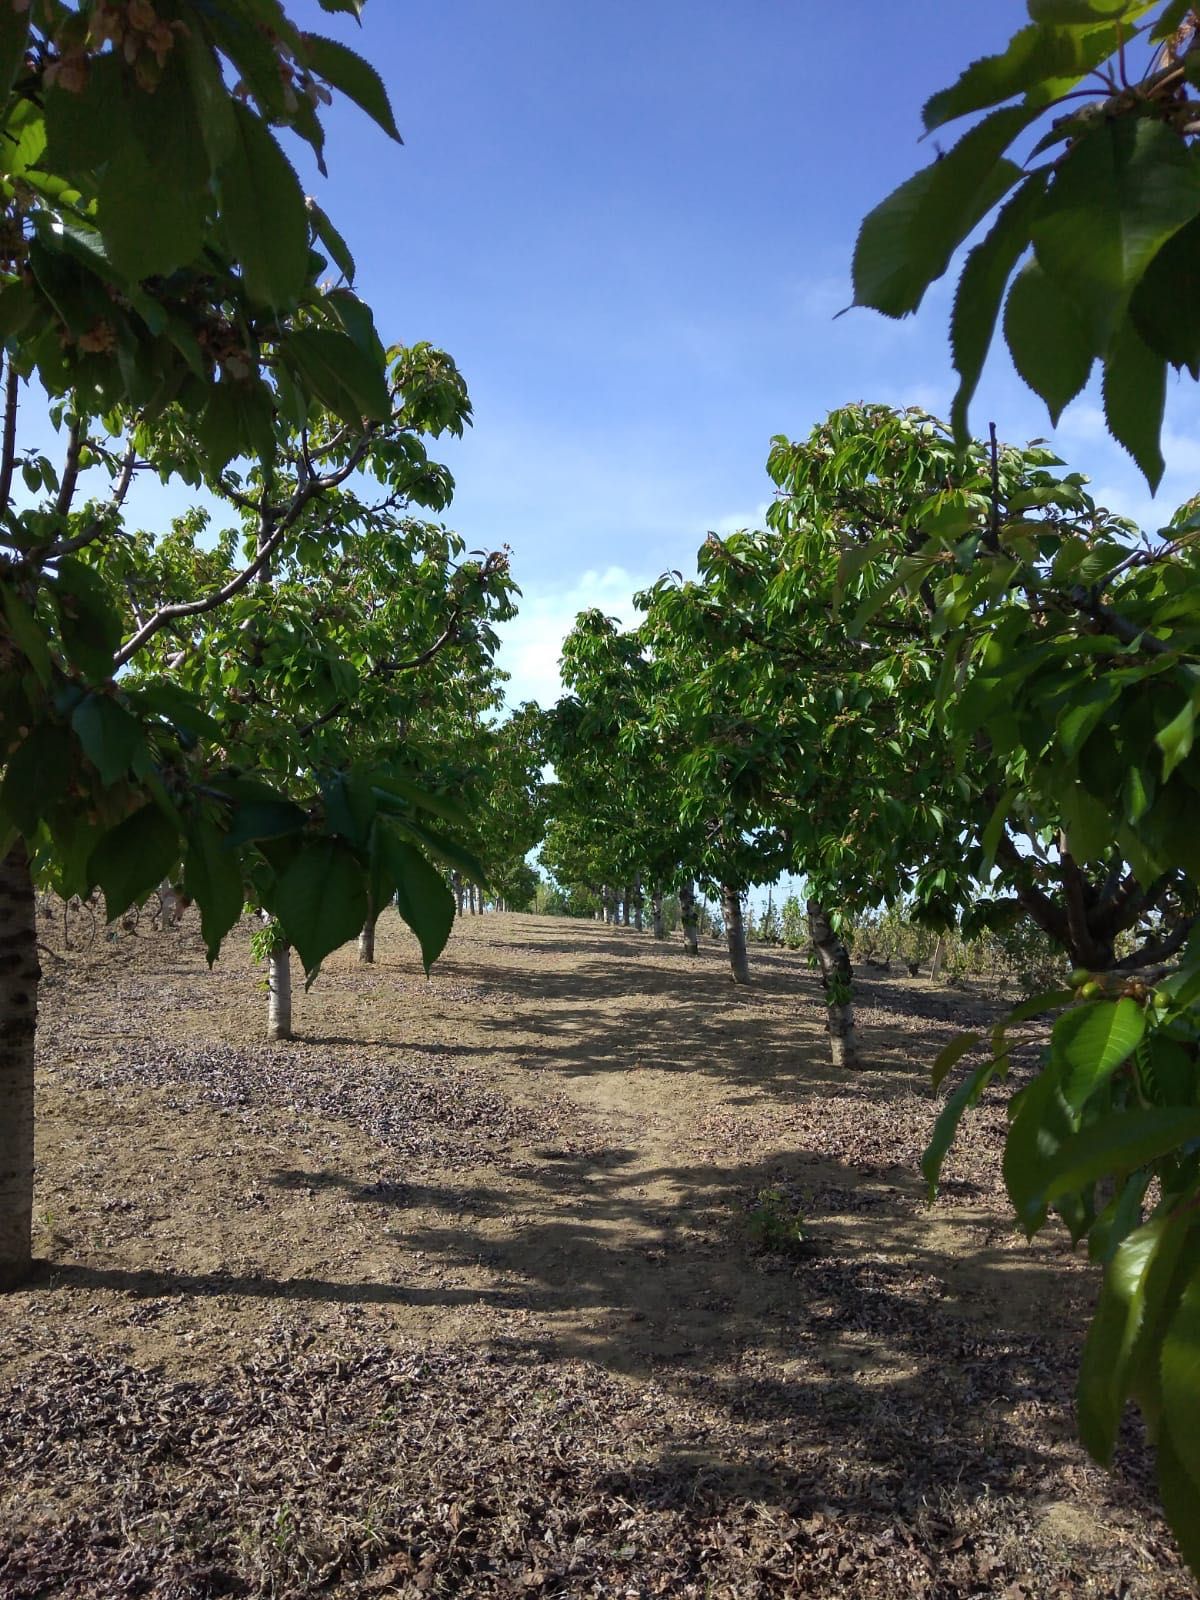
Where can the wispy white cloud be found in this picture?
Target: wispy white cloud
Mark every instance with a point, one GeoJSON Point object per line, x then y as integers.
{"type": "Point", "coordinates": [531, 644]}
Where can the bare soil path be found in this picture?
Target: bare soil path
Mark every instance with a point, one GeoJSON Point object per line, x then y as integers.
{"type": "Point", "coordinates": [461, 1294]}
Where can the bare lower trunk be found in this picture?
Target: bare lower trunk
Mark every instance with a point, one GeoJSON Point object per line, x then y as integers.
{"type": "Point", "coordinates": [456, 884]}
{"type": "Point", "coordinates": [837, 976]}
{"type": "Point", "coordinates": [939, 955]}
{"type": "Point", "coordinates": [735, 934]}
{"type": "Point", "coordinates": [473, 899]}
{"type": "Point", "coordinates": [366, 939]}
{"type": "Point", "coordinates": [19, 975]}
{"type": "Point", "coordinates": [656, 914]}
{"type": "Point", "coordinates": [690, 917]}
{"type": "Point", "coordinates": [279, 992]}
{"type": "Point", "coordinates": [625, 908]}
{"type": "Point", "coordinates": [639, 902]}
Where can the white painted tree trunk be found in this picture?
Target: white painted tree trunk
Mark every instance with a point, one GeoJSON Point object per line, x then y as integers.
{"type": "Point", "coordinates": [837, 978]}
{"type": "Point", "coordinates": [279, 992]}
{"type": "Point", "coordinates": [735, 934]}
{"type": "Point", "coordinates": [19, 975]}
{"type": "Point", "coordinates": [939, 956]}
{"type": "Point", "coordinates": [656, 913]}
{"type": "Point", "coordinates": [366, 940]}
{"type": "Point", "coordinates": [639, 902]}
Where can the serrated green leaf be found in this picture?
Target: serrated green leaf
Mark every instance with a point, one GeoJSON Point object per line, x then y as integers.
{"type": "Point", "coordinates": [112, 740]}
{"type": "Point", "coordinates": [1041, 1122]}
{"type": "Point", "coordinates": [14, 41]}
{"type": "Point", "coordinates": [1047, 338]}
{"type": "Point", "coordinates": [1180, 1494]}
{"type": "Point", "coordinates": [265, 819]}
{"type": "Point", "coordinates": [906, 242]}
{"type": "Point", "coordinates": [1117, 1143]}
{"type": "Point", "coordinates": [37, 773]}
{"type": "Point", "coordinates": [1092, 1040]}
{"type": "Point", "coordinates": [422, 897]}
{"type": "Point", "coordinates": [354, 77]}
{"type": "Point", "coordinates": [333, 241]}
{"type": "Point", "coordinates": [1118, 195]}
{"type": "Point", "coordinates": [1180, 1368]}
{"type": "Point", "coordinates": [1135, 396]}
{"type": "Point", "coordinates": [1040, 60]}
{"type": "Point", "coordinates": [1163, 308]}
{"type": "Point", "coordinates": [264, 214]}
{"type": "Point", "coordinates": [131, 860]}
{"type": "Point", "coordinates": [1175, 740]}
{"type": "Point", "coordinates": [1105, 1369]}
{"type": "Point", "coordinates": [212, 876]}
{"type": "Point", "coordinates": [980, 291]}
{"type": "Point", "coordinates": [321, 901]}
{"type": "Point", "coordinates": [336, 371]}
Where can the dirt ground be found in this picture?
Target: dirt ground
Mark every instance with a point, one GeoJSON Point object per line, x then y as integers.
{"type": "Point", "coordinates": [463, 1293]}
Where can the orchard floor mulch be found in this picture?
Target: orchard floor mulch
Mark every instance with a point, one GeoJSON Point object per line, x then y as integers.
{"type": "Point", "coordinates": [459, 1294]}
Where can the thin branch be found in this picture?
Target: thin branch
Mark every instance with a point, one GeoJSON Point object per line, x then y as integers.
{"type": "Point", "coordinates": [70, 477]}
{"type": "Point", "coordinates": [1159, 950]}
{"type": "Point", "coordinates": [99, 525]}
{"type": "Point", "coordinates": [8, 449]}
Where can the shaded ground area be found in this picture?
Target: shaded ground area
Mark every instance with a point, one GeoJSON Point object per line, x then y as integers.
{"type": "Point", "coordinates": [462, 1294]}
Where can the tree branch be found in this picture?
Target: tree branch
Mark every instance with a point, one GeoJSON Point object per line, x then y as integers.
{"type": "Point", "coordinates": [70, 477]}
{"type": "Point", "coordinates": [8, 449]}
{"type": "Point", "coordinates": [99, 525]}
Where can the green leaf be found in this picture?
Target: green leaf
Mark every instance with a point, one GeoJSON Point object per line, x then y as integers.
{"type": "Point", "coordinates": [907, 240]}
{"type": "Point", "coordinates": [25, 632]}
{"type": "Point", "coordinates": [980, 291]}
{"type": "Point", "coordinates": [1119, 1218]}
{"type": "Point", "coordinates": [1135, 396]}
{"type": "Point", "coordinates": [1163, 309]}
{"type": "Point", "coordinates": [1041, 1122]}
{"type": "Point", "coordinates": [152, 195]}
{"type": "Point", "coordinates": [1105, 1372]}
{"type": "Point", "coordinates": [14, 41]}
{"type": "Point", "coordinates": [89, 620]}
{"type": "Point", "coordinates": [1119, 194]}
{"type": "Point", "coordinates": [1117, 1143]}
{"type": "Point", "coordinates": [1175, 740]}
{"type": "Point", "coordinates": [1092, 1040]}
{"type": "Point", "coordinates": [967, 1094]}
{"type": "Point", "coordinates": [342, 376]}
{"type": "Point", "coordinates": [1072, 13]}
{"type": "Point", "coordinates": [356, 79]}
{"type": "Point", "coordinates": [1047, 338]}
{"type": "Point", "coordinates": [951, 1055]}
{"type": "Point", "coordinates": [333, 241]}
{"type": "Point", "coordinates": [1034, 55]}
{"type": "Point", "coordinates": [212, 876]}
{"type": "Point", "coordinates": [265, 819]}
{"type": "Point", "coordinates": [181, 710]}
{"type": "Point", "coordinates": [112, 740]}
{"type": "Point", "coordinates": [444, 848]}
{"type": "Point", "coordinates": [321, 901]}
{"type": "Point", "coordinates": [238, 419]}
{"type": "Point", "coordinates": [215, 107]}
{"type": "Point", "coordinates": [1180, 1493]}
{"type": "Point", "coordinates": [1180, 1368]}
{"type": "Point", "coordinates": [37, 773]}
{"type": "Point", "coordinates": [133, 858]}
{"type": "Point", "coordinates": [350, 807]}
{"type": "Point", "coordinates": [265, 216]}
{"type": "Point", "coordinates": [422, 897]}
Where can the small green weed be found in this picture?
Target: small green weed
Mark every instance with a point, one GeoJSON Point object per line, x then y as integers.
{"type": "Point", "coordinates": [775, 1226]}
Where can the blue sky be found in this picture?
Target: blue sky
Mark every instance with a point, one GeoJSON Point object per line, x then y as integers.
{"type": "Point", "coordinates": [631, 223]}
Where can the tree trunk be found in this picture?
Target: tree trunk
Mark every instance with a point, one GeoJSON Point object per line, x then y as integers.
{"type": "Point", "coordinates": [279, 992]}
{"type": "Point", "coordinates": [625, 908]}
{"type": "Point", "coordinates": [456, 884]}
{"type": "Point", "coordinates": [639, 902]}
{"type": "Point", "coordinates": [366, 939]}
{"type": "Point", "coordinates": [690, 917]}
{"type": "Point", "coordinates": [735, 934]}
{"type": "Point", "coordinates": [473, 898]}
{"type": "Point", "coordinates": [656, 913]}
{"type": "Point", "coordinates": [19, 974]}
{"type": "Point", "coordinates": [939, 955]}
{"type": "Point", "coordinates": [837, 977]}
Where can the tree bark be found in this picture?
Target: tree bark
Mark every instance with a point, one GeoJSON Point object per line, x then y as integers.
{"type": "Point", "coordinates": [456, 884]}
{"type": "Point", "coordinates": [735, 933]}
{"type": "Point", "coordinates": [279, 992]}
{"type": "Point", "coordinates": [366, 939]}
{"type": "Point", "coordinates": [656, 913]}
{"type": "Point", "coordinates": [939, 955]}
{"type": "Point", "coordinates": [625, 908]}
{"type": "Point", "coordinates": [19, 975]}
{"type": "Point", "coordinates": [639, 902]}
{"type": "Point", "coordinates": [690, 917]}
{"type": "Point", "coordinates": [837, 977]}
